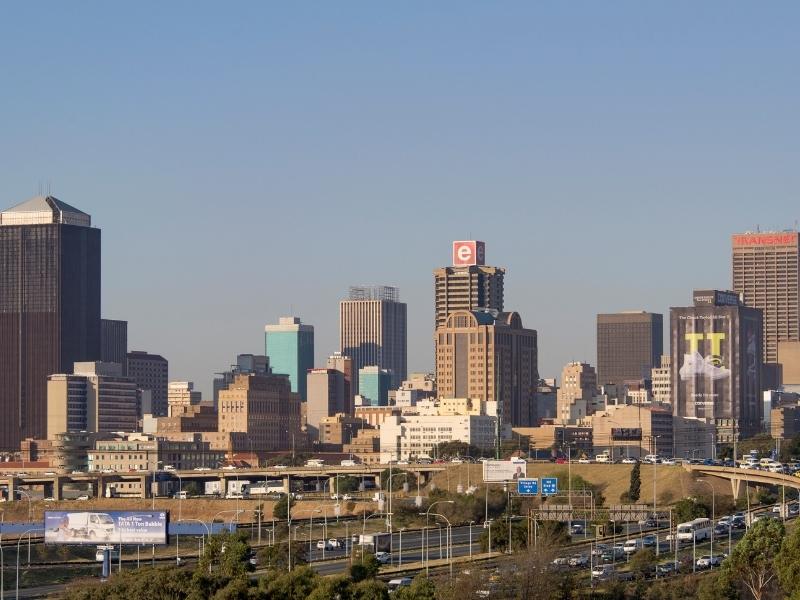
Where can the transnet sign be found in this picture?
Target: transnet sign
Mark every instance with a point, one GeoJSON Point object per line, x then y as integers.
{"type": "Point", "coordinates": [468, 253]}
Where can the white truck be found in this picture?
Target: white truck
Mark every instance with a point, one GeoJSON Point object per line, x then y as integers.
{"type": "Point", "coordinates": [263, 488]}
{"type": "Point", "coordinates": [237, 487]}
{"type": "Point", "coordinates": [375, 542]}
{"type": "Point", "coordinates": [90, 525]}
{"type": "Point", "coordinates": [213, 488]}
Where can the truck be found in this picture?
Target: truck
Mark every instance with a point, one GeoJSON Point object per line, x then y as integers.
{"type": "Point", "coordinates": [236, 488]}
{"type": "Point", "coordinates": [91, 525]}
{"type": "Point", "coordinates": [263, 488]}
{"type": "Point", "coordinates": [375, 542]}
{"type": "Point", "coordinates": [213, 488]}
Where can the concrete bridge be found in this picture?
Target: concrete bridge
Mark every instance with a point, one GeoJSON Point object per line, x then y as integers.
{"type": "Point", "coordinates": [737, 476]}
{"type": "Point", "coordinates": [52, 484]}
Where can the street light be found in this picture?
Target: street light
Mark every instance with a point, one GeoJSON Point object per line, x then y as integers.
{"type": "Point", "coordinates": [28, 496]}
{"type": "Point", "coordinates": [28, 532]}
{"type": "Point", "coordinates": [449, 543]}
{"type": "Point", "coordinates": [2, 564]}
{"type": "Point", "coordinates": [713, 518]}
{"type": "Point", "coordinates": [427, 522]}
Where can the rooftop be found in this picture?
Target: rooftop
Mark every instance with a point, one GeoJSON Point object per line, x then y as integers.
{"type": "Point", "coordinates": [43, 210]}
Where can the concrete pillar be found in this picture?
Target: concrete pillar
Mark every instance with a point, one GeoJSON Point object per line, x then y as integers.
{"type": "Point", "coordinates": [58, 490]}
{"type": "Point", "coordinates": [332, 485]}
{"type": "Point", "coordinates": [12, 489]}
{"type": "Point", "coordinates": [286, 485]}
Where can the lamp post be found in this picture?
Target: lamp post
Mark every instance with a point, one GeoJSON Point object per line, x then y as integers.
{"type": "Point", "coordinates": [400, 562]}
{"type": "Point", "coordinates": [470, 539]}
{"type": "Point", "coordinates": [427, 523]}
{"type": "Point", "coordinates": [28, 496]}
{"type": "Point", "coordinates": [448, 542]}
{"type": "Point", "coordinates": [24, 533]}
{"type": "Point", "coordinates": [713, 518]}
{"type": "Point", "coordinates": [2, 563]}
{"type": "Point", "coordinates": [208, 531]}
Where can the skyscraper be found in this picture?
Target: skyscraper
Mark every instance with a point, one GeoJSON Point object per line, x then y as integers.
{"type": "Point", "coordinates": [327, 396]}
{"type": "Point", "coordinates": [49, 307]}
{"type": "Point", "coordinates": [486, 355]}
{"type": "Point", "coordinates": [114, 341]}
{"type": "Point", "coordinates": [765, 272]}
{"type": "Point", "coordinates": [469, 284]}
{"type": "Point", "coordinates": [574, 397]}
{"type": "Point", "coordinates": [151, 372]}
{"type": "Point", "coordinates": [716, 363]}
{"type": "Point", "coordinates": [290, 348]}
{"type": "Point", "coordinates": [373, 386]}
{"type": "Point", "coordinates": [372, 331]}
{"type": "Point", "coordinates": [629, 346]}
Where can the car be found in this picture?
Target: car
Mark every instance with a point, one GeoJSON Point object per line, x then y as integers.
{"type": "Point", "coordinates": [562, 461]}
{"type": "Point", "coordinates": [202, 469]}
{"type": "Point", "coordinates": [666, 568]}
{"type": "Point", "coordinates": [794, 510]}
{"type": "Point", "coordinates": [322, 545]}
{"type": "Point", "coordinates": [83, 497]}
{"type": "Point", "coordinates": [577, 529]}
{"type": "Point", "coordinates": [602, 571]}
{"type": "Point", "coordinates": [579, 560]}
{"type": "Point", "coordinates": [456, 461]}
{"type": "Point", "coordinates": [383, 557]}
{"type": "Point", "coordinates": [50, 473]}
{"type": "Point", "coordinates": [738, 523]}
{"type": "Point", "coordinates": [229, 468]}
{"type": "Point", "coordinates": [629, 461]}
{"type": "Point", "coordinates": [402, 462]}
{"type": "Point", "coordinates": [561, 561]}
{"type": "Point", "coordinates": [334, 543]}
{"type": "Point", "coordinates": [721, 529]}
{"type": "Point", "coordinates": [599, 549]}
{"type": "Point", "coordinates": [169, 468]}
{"type": "Point", "coordinates": [280, 467]}
{"type": "Point", "coordinates": [584, 461]}
{"type": "Point", "coordinates": [669, 462]}
{"type": "Point", "coordinates": [649, 541]}
{"type": "Point", "coordinates": [707, 561]}
{"type": "Point", "coordinates": [22, 474]}
{"type": "Point", "coordinates": [77, 473]}
{"type": "Point", "coordinates": [49, 499]}
{"type": "Point", "coordinates": [760, 517]}
{"type": "Point", "coordinates": [776, 509]}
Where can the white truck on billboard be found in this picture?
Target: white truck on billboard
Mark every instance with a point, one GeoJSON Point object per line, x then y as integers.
{"type": "Point", "coordinates": [83, 526]}
{"type": "Point", "coordinates": [504, 470]}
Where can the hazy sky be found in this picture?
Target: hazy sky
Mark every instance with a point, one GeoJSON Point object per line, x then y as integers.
{"type": "Point", "coordinates": [250, 160]}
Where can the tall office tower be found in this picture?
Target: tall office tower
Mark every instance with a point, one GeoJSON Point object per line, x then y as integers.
{"type": "Point", "coordinates": [95, 398]}
{"type": "Point", "coordinates": [765, 273]}
{"type": "Point", "coordinates": [578, 388]}
{"type": "Point", "coordinates": [469, 284]}
{"type": "Point", "coordinates": [716, 363]}
{"type": "Point", "coordinates": [150, 372]}
{"type": "Point", "coordinates": [328, 395]}
{"type": "Point", "coordinates": [661, 377]}
{"type": "Point", "coordinates": [114, 341]}
{"type": "Point", "coordinates": [49, 307]}
{"type": "Point", "coordinates": [290, 348]}
{"type": "Point", "coordinates": [343, 364]}
{"type": "Point", "coordinates": [629, 345]}
{"type": "Point", "coordinates": [373, 386]}
{"type": "Point", "coordinates": [248, 364]}
{"type": "Point", "coordinates": [372, 331]}
{"type": "Point", "coordinates": [486, 355]}
{"type": "Point", "coordinates": [181, 395]}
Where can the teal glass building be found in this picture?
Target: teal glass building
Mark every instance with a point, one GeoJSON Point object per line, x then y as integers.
{"type": "Point", "coordinates": [290, 348]}
{"type": "Point", "coordinates": [373, 385]}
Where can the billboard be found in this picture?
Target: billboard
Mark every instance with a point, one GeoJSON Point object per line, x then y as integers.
{"type": "Point", "coordinates": [716, 362]}
{"type": "Point", "coordinates": [765, 239]}
{"type": "Point", "coordinates": [100, 527]}
{"type": "Point", "coordinates": [626, 433]}
{"type": "Point", "coordinates": [504, 470]}
{"type": "Point", "coordinates": [468, 253]}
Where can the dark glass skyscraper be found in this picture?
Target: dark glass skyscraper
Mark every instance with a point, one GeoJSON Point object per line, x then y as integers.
{"type": "Point", "coordinates": [49, 307]}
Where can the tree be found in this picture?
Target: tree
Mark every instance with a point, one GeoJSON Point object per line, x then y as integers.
{"type": "Point", "coordinates": [192, 488]}
{"type": "Point", "coordinates": [643, 562]}
{"type": "Point", "coordinates": [346, 484]}
{"type": "Point", "coordinates": [293, 585]}
{"type": "Point", "coordinates": [456, 448]}
{"type": "Point", "coordinates": [329, 588]}
{"type": "Point", "coordinates": [281, 509]}
{"type": "Point", "coordinates": [370, 589]}
{"type": "Point", "coordinates": [635, 488]}
{"type": "Point", "coordinates": [751, 562]}
{"type": "Point", "coordinates": [226, 555]}
{"type": "Point", "coordinates": [399, 477]}
{"type": "Point", "coordinates": [689, 508]}
{"type": "Point", "coordinates": [277, 557]}
{"type": "Point", "coordinates": [786, 565]}
{"type": "Point", "coordinates": [366, 568]}
{"type": "Point", "coordinates": [422, 588]}
{"type": "Point", "coordinates": [499, 529]}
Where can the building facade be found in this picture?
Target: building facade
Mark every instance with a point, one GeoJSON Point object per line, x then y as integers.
{"type": "Point", "coordinates": [141, 452]}
{"type": "Point", "coordinates": [469, 284]}
{"type": "Point", "coordinates": [95, 398]}
{"type": "Point", "coordinates": [114, 341]}
{"type": "Point", "coordinates": [290, 348]}
{"type": "Point", "coordinates": [373, 331]}
{"type": "Point", "coordinates": [633, 431]}
{"type": "Point", "coordinates": [577, 392]}
{"type": "Point", "coordinates": [181, 396]}
{"type": "Point", "coordinates": [765, 273]}
{"type": "Point", "coordinates": [487, 355]}
{"type": "Point", "coordinates": [150, 372]}
{"type": "Point", "coordinates": [49, 307]}
{"type": "Point", "coordinates": [629, 345]}
{"type": "Point", "coordinates": [661, 378]}
{"type": "Point", "coordinates": [373, 386]}
{"type": "Point", "coordinates": [412, 436]}
{"type": "Point", "coordinates": [717, 363]}
{"type": "Point", "coordinates": [328, 394]}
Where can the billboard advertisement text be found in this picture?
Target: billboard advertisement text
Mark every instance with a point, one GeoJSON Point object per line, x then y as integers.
{"type": "Point", "coordinates": [101, 527]}
{"type": "Point", "coordinates": [504, 470]}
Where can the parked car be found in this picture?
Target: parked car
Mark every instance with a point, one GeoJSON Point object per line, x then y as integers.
{"type": "Point", "coordinates": [721, 529]}
{"type": "Point", "coordinates": [668, 462]}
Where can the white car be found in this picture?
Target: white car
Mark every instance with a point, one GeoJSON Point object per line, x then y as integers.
{"type": "Point", "coordinates": [669, 462]}
{"type": "Point", "coordinates": [579, 560]}
{"type": "Point", "coordinates": [280, 467]}
{"type": "Point", "coordinates": [584, 461]}
{"type": "Point", "coordinates": [229, 468]}
{"type": "Point", "coordinates": [707, 561]}
{"type": "Point", "coordinates": [202, 469]}
{"type": "Point", "coordinates": [334, 543]}
{"type": "Point", "coordinates": [322, 545]}
{"type": "Point", "coordinates": [383, 557]}
{"type": "Point", "coordinates": [83, 497]}
{"type": "Point", "coordinates": [629, 461]}
{"type": "Point", "coordinates": [456, 461]}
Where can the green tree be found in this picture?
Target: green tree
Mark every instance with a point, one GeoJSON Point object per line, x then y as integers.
{"type": "Point", "coordinates": [399, 477]}
{"type": "Point", "coordinates": [332, 588]}
{"type": "Point", "coordinates": [192, 488]}
{"type": "Point", "coordinates": [751, 562]}
{"type": "Point", "coordinates": [634, 491]}
{"type": "Point", "coordinates": [226, 555]}
{"type": "Point", "coordinates": [370, 589]}
{"type": "Point", "coordinates": [643, 562]}
{"type": "Point", "coordinates": [296, 584]}
{"type": "Point", "coordinates": [366, 568]}
{"type": "Point", "coordinates": [277, 557]}
{"type": "Point", "coordinates": [422, 588]}
{"type": "Point", "coordinates": [786, 564]}
{"type": "Point", "coordinates": [455, 449]}
{"type": "Point", "coordinates": [347, 484]}
{"type": "Point", "coordinates": [687, 509]}
{"type": "Point", "coordinates": [499, 532]}
{"type": "Point", "coordinates": [281, 508]}
{"type": "Point", "coordinates": [715, 586]}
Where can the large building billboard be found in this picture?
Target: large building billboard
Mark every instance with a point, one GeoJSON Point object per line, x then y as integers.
{"type": "Point", "coordinates": [469, 252]}
{"type": "Point", "coordinates": [504, 470]}
{"type": "Point", "coordinates": [100, 527]}
{"type": "Point", "coordinates": [716, 363]}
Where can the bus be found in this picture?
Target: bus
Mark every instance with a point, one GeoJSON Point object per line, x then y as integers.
{"type": "Point", "coordinates": [696, 530]}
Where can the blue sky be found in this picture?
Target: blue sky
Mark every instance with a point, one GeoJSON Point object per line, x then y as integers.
{"type": "Point", "coordinates": [248, 160]}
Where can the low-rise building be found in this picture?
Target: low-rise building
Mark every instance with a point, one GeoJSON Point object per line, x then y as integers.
{"type": "Point", "coordinates": [785, 422]}
{"type": "Point", "coordinates": [366, 446]}
{"type": "Point", "coordinates": [550, 439]}
{"type": "Point", "coordinates": [141, 452]}
{"type": "Point", "coordinates": [65, 453]}
{"type": "Point", "coordinates": [374, 416]}
{"type": "Point", "coordinates": [633, 430]}
{"type": "Point", "coordinates": [339, 429]}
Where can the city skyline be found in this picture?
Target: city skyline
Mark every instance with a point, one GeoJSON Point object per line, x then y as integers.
{"type": "Point", "coordinates": [352, 148]}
